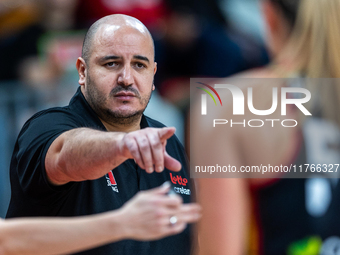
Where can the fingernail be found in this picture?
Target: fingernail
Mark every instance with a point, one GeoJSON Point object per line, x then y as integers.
{"type": "Point", "coordinates": [150, 170]}
{"type": "Point", "coordinates": [159, 169]}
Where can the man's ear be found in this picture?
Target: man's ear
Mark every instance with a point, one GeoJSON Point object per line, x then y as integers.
{"type": "Point", "coordinates": [81, 67]}
{"type": "Point", "coordinates": [154, 72]}
{"type": "Point", "coordinates": [155, 69]}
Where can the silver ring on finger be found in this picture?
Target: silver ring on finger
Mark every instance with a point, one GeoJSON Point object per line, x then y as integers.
{"type": "Point", "coordinates": [173, 220]}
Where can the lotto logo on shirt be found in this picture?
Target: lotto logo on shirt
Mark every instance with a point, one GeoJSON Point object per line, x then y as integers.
{"type": "Point", "coordinates": [111, 181]}
{"type": "Point", "coordinates": [178, 180]}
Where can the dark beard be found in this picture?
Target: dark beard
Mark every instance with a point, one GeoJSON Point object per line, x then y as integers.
{"type": "Point", "coordinates": [120, 119]}
{"type": "Point", "coordinates": [113, 117]}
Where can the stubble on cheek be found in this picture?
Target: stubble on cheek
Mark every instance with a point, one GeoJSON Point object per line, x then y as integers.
{"type": "Point", "coordinates": [101, 105]}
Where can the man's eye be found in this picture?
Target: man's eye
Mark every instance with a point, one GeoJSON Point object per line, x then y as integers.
{"type": "Point", "coordinates": [111, 64]}
{"type": "Point", "coordinates": [140, 65]}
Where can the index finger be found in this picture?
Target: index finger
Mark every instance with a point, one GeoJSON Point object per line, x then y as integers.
{"type": "Point", "coordinates": [165, 133]}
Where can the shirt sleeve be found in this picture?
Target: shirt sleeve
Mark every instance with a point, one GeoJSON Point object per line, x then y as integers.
{"type": "Point", "coordinates": [32, 145]}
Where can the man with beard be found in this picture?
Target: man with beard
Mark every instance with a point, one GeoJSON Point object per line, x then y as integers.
{"type": "Point", "coordinates": [98, 152]}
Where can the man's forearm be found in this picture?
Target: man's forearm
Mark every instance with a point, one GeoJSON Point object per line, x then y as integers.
{"type": "Point", "coordinates": [86, 154]}
{"type": "Point", "coordinates": [83, 154]}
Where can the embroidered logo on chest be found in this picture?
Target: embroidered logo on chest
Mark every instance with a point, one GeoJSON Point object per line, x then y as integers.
{"type": "Point", "coordinates": [179, 180]}
{"type": "Point", "coordinates": [111, 181]}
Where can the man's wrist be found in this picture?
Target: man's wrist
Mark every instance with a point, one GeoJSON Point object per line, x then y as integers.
{"type": "Point", "coordinates": [114, 224]}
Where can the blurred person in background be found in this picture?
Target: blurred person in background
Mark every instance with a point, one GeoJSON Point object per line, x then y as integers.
{"type": "Point", "coordinates": [35, 44]}
{"type": "Point", "coordinates": [149, 12]}
{"type": "Point", "coordinates": [198, 40]}
{"type": "Point", "coordinates": [274, 215]}
{"type": "Point", "coordinates": [17, 36]}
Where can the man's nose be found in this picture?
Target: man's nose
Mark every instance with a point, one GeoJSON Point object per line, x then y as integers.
{"type": "Point", "coordinates": [125, 77]}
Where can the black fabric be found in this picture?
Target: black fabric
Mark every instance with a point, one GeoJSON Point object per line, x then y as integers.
{"type": "Point", "coordinates": [32, 195]}
{"type": "Point", "coordinates": [283, 219]}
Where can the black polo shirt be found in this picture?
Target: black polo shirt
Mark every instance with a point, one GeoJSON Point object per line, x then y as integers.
{"type": "Point", "coordinates": [33, 195]}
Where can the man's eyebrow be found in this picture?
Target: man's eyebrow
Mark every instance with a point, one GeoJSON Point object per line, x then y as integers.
{"type": "Point", "coordinates": [141, 58]}
{"type": "Point", "coordinates": [110, 57]}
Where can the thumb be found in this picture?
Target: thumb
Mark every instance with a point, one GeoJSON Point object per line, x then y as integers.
{"type": "Point", "coordinates": [171, 163]}
{"type": "Point", "coordinates": [165, 133]}
{"type": "Point", "coordinates": [161, 190]}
